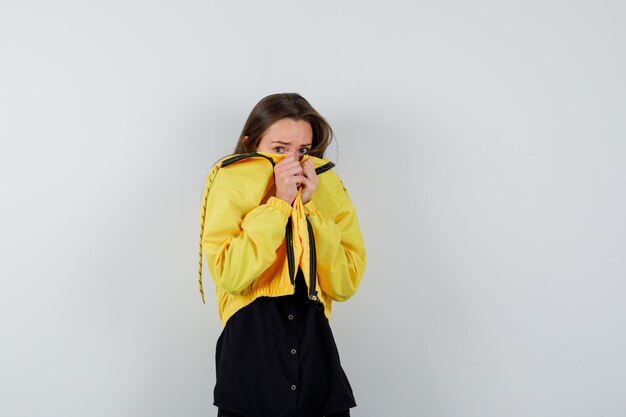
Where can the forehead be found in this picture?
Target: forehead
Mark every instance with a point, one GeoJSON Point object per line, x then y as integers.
{"type": "Point", "coordinates": [289, 131]}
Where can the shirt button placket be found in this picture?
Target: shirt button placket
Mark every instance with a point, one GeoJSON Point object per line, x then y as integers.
{"type": "Point", "coordinates": [291, 351]}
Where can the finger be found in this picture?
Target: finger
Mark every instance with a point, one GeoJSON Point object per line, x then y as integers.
{"type": "Point", "coordinates": [290, 157]}
{"type": "Point", "coordinates": [296, 180]}
{"type": "Point", "coordinates": [296, 170]}
{"type": "Point", "coordinates": [282, 165]}
{"type": "Point", "coordinates": [288, 173]}
{"type": "Point", "coordinates": [307, 182]}
{"type": "Point", "coordinates": [309, 185]}
{"type": "Point", "coordinates": [309, 169]}
{"type": "Point", "coordinates": [286, 160]}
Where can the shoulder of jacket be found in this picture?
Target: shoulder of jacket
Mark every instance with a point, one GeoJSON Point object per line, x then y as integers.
{"type": "Point", "coordinates": [329, 175]}
{"type": "Point", "coordinates": [239, 167]}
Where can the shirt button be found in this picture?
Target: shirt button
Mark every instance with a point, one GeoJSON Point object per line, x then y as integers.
{"type": "Point", "coordinates": [293, 387]}
{"type": "Point", "coordinates": [293, 351]}
{"type": "Point", "coordinates": [290, 317]}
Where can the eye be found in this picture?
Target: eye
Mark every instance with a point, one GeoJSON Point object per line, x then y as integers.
{"type": "Point", "coordinates": [304, 150]}
{"type": "Point", "coordinates": [278, 149]}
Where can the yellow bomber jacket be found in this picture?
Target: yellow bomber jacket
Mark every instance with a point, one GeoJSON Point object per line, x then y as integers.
{"type": "Point", "coordinates": [254, 242]}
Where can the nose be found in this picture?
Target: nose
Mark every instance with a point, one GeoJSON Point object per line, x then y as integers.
{"type": "Point", "coordinates": [298, 155]}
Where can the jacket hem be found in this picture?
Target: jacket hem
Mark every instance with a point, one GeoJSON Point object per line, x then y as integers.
{"type": "Point", "coordinates": [242, 300]}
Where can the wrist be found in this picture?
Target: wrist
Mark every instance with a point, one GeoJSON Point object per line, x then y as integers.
{"type": "Point", "coordinates": [284, 198]}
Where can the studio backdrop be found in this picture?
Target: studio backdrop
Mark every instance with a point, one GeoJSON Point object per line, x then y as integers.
{"type": "Point", "coordinates": [483, 144]}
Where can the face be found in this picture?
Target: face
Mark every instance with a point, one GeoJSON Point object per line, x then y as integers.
{"type": "Point", "coordinates": [287, 136]}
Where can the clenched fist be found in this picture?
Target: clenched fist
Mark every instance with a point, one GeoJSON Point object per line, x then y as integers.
{"type": "Point", "coordinates": [290, 174]}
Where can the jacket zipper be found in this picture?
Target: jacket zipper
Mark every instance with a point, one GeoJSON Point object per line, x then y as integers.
{"type": "Point", "coordinates": [313, 262]}
{"type": "Point", "coordinates": [290, 254]}
{"type": "Point", "coordinates": [240, 156]}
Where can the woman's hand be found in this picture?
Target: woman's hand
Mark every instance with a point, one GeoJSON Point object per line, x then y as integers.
{"type": "Point", "coordinates": [309, 182]}
{"type": "Point", "coordinates": [288, 176]}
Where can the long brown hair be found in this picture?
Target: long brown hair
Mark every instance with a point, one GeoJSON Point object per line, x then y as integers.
{"type": "Point", "coordinates": [275, 107]}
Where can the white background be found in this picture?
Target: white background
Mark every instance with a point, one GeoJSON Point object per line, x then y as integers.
{"type": "Point", "coordinates": [483, 144]}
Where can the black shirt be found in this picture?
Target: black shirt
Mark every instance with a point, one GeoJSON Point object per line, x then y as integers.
{"type": "Point", "coordinates": [277, 357]}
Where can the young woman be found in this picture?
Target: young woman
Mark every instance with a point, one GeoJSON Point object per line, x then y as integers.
{"type": "Point", "coordinates": [282, 241]}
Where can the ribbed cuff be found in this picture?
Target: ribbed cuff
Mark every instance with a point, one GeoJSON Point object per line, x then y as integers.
{"type": "Point", "coordinates": [310, 208]}
{"type": "Point", "coordinates": [280, 204]}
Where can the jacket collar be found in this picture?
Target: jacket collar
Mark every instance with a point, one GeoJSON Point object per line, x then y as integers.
{"type": "Point", "coordinates": [320, 164]}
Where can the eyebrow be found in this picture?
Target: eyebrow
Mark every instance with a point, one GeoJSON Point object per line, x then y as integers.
{"type": "Point", "coordinates": [288, 143]}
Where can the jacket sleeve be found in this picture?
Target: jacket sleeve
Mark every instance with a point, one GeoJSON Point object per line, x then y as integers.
{"type": "Point", "coordinates": [240, 237]}
{"type": "Point", "coordinates": [340, 249]}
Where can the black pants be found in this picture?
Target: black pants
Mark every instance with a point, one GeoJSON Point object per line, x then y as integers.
{"type": "Point", "coordinates": [224, 413]}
